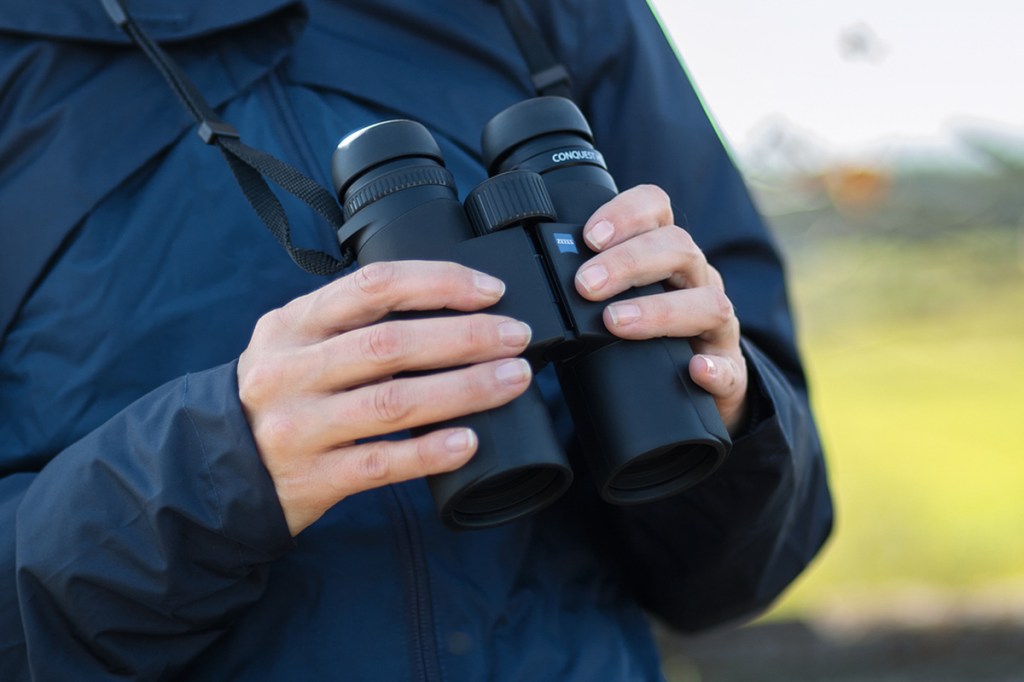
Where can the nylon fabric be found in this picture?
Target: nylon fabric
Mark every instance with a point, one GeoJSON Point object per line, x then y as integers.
{"type": "Point", "coordinates": [61, 130]}
{"type": "Point", "coordinates": [143, 537]}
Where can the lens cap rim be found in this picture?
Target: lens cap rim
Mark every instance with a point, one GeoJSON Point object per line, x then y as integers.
{"type": "Point", "coordinates": [373, 145]}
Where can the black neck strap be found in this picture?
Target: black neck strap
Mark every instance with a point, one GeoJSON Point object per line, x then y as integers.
{"type": "Point", "coordinates": [250, 165]}
{"type": "Point", "coordinates": [547, 74]}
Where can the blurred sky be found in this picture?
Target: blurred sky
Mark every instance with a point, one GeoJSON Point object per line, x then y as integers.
{"type": "Point", "coordinates": [855, 78]}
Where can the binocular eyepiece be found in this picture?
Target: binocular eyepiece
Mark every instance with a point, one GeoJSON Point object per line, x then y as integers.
{"type": "Point", "coordinates": [646, 429]}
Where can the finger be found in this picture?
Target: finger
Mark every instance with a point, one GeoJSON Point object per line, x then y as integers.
{"type": "Point", "coordinates": [371, 465]}
{"type": "Point", "coordinates": [398, 404]}
{"type": "Point", "coordinates": [719, 375]}
{"type": "Point", "coordinates": [374, 290]}
{"type": "Point", "coordinates": [352, 469]}
{"type": "Point", "coordinates": [387, 348]}
{"type": "Point", "coordinates": [725, 378]}
{"type": "Point", "coordinates": [663, 254]}
{"type": "Point", "coordinates": [705, 312]}
{"type": "Point", "coordinates": [637, 210]}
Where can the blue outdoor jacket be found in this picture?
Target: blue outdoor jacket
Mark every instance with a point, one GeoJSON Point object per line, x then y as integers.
{"type": "Point", "coordinates": [142, 538]}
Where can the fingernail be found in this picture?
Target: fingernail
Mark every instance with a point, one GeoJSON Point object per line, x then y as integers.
{"type": "Point", "coordinates": [600, 234]}
{"type": "Point", "coordinates": [513, 372]}
{"type": "Point", "coordinates": [592, 278]}
{"type": "Point", "coordinates": [491, 286]}
{"type": "Point", "coordinates": [460, 441]}
{"type": "Point", "coordinates": [514, 333]}
{"type": "Point", "coordinates": [624, 313]}
{"type": "Point", "coordinates": [710, 366]}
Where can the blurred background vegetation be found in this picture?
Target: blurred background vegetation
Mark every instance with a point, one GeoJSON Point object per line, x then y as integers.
{"type": "Point", "coordinates": [884, 143]}
{"type": "Point", "coordinates": [908, 283]}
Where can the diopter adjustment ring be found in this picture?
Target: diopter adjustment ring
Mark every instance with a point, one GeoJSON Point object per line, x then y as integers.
{"type": "Point", "coordinates": [508, 199]}
{"type": "Point", "coordinates": [396, 181]}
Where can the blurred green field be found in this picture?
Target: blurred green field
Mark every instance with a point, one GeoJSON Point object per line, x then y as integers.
{"type": "Point", "coordinates": [915, 351]}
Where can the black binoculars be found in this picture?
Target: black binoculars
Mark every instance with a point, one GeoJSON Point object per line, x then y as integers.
{"type": "Point", "coordinates": [646, 429]}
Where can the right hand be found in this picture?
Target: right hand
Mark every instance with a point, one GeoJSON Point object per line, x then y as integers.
{"type": "Point", "coordinates": [318, 375]}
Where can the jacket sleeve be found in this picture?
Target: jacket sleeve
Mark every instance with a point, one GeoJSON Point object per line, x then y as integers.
{"type": "Point", "coordinates": [729, 546]}
{"type": "Point", "coordinates": [151, 533]}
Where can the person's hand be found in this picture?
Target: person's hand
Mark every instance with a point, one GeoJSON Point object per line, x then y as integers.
{"type": "Point", "coordinates": [318, 374]}
{"type": "Point", "coordinates": [637, 243]}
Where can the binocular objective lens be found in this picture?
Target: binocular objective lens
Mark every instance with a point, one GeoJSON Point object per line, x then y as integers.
{"type": "Point", "coordinates": [671, 469]}
{"type": "Point", "coordinates": [504, 497]}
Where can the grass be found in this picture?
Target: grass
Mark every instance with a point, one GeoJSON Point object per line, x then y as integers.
{"type": "Point", "coordinates": [915, 350]}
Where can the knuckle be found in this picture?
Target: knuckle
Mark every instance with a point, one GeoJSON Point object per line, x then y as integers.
{"type": "Point", "coordinates": [278, 432]}
{"type": "Point", "coordinates": [654, 192]}
{"type": "Point", "coordinates": [319, 360]}
{"type": "Point", "coordinates": [723, 309]}
{"type": "Point", "coordinates": [424, 453]}
{"type": "Point", "coordinates": [375, 464]}
{"type": "Point", "coordinates": [383, 344]}
{"type": "Point", "coordinates": [271, 323]}
{"type": "Point", "coordinates": [260, 380]}
{"type": "Point", "coordinates": [478, 388]}
{"type": "Point", "coordinates": [684, 245]}
{"type": "Point", "coordinates": [734, 376]}
{"type": "Point", "coordinates": [660, 201]}
{"type": "Point", "coordinates": [309, 316]}
{"type": "Point", "coordinates": [292, 316]}
{"type": "Point", "coordinates": [389, 402]}
{"type": "Point", "coordinates": [625, 261]}
{"type": "Point", "coordinates": [376, 278]}
{"type": "Point", "coordinates": [658, 314]}
{"type": "Point", "coordinates": [715, 277]}
{"type": "Point", "coordinates": [251, 384]}
{"type": "Point", "coordinates": [264, 325]}
{"type": "Point", "coordinates": [480, 332]}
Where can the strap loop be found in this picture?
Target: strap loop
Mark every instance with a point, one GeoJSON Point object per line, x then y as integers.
{"type": "Point", "coordinates": [211, 131]}
{"type": "Point", "coordinates": [551, 78]}
{"type": "Point", "coordinates": [547, 75]}
{"type": "Point", "coordinates": [248, 165]}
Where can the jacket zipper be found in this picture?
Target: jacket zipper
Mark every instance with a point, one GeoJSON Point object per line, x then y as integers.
{"type": "Point", "coordinates": [297, 143]}
{"type": "Point", "coordinates": [421, 616]}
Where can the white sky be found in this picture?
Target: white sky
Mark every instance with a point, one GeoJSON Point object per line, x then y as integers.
{"type": "Point", "coordinates": [926, 68]}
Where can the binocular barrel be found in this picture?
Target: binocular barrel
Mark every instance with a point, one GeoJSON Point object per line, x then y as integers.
{"type": "Point", "coordinates": [401, 203]}
{"type": "Point", "coordinates": [647, 430]}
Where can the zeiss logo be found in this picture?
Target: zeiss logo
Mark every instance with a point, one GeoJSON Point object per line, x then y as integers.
{"type": "Point", "coordinates": [565, 243]}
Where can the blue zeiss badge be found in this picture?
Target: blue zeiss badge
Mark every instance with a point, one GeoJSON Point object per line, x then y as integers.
{"type": "Point", "coordinates": [565, 243]}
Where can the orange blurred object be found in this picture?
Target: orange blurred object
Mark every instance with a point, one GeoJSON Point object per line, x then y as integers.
{"type": "Point", "coordinates": [859, 188]}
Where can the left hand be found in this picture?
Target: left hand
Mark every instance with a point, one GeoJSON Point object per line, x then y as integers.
{"type": "Point", "coordinates": [637, 243]}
